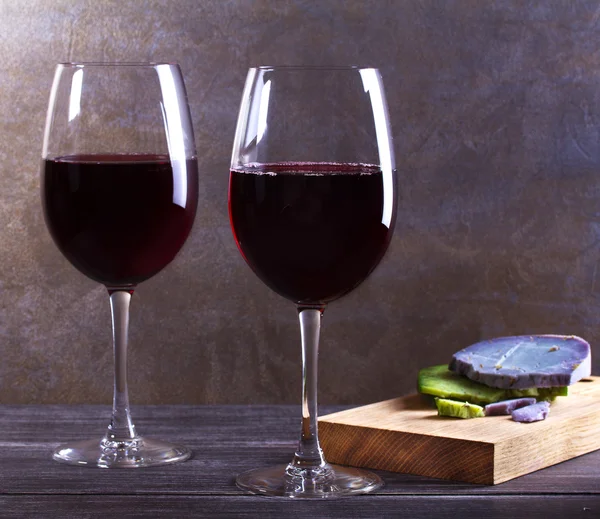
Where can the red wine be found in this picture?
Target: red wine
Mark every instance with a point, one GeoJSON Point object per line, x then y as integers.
{"type": "Point", "coordinates": [119, 218]}
{"type": "Point", "coordinates": [310, 231]}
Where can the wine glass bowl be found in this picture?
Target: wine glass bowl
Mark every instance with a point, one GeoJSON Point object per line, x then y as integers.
{"type": "Point", "coordinates": [117, 236]}
{"type": "Point", "coordinates": [312, 204]}
{"type": "Point", "coordinates": [119, 193]}
{"type": "Point", "coordinates": [313, 231]}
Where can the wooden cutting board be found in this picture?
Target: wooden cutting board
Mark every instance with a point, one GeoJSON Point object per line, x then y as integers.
{"type": "Point", "coordinates": [406, 435]}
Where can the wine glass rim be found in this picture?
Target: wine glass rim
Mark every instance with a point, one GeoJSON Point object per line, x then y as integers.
{"type": "Point", "coordinates": [313, 67]}
{"type": "Point", "coordinates": [82, 64]}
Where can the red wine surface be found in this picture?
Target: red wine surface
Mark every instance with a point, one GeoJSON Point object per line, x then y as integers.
{"type": "Point", "coordinates": [311, 231]}
{"type": "Point", "coordinates": [119, 218]}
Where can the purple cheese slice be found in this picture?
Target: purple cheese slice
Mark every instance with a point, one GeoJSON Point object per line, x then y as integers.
{"type": "Point", "coordinates": [531, 413]}
{"type": "Point", "coordinates": [525, 361]}
{"type": "Point", "coordinates": [505, 407]}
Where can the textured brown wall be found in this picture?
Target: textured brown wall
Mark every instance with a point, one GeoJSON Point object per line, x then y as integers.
{"type": "Point", "coordinates": [496, 109]}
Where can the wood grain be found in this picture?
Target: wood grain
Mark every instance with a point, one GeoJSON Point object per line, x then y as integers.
{"type": "Point", "coordinates": [246, 506]}
{"type": "Point", "coordinates": [227, 440]}
{"type": "Point", "coordinates": [406, 435]}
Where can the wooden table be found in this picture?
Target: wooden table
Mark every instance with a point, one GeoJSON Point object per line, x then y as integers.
{"type": "Point", "coordinates": [230, 439]}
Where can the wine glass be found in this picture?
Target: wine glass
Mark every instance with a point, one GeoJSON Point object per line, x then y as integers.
{"type": "Point", "coordinates": [312, 204]}
{"type": "Point", "coordinates": [119, 192]}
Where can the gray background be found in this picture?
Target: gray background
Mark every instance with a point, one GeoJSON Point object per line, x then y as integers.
{"type": "Point", "coordinates": [495, 107]}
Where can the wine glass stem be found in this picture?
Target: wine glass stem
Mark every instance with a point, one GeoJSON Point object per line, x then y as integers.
{"type": "Point", "coordinates": [121, 427]}
{"type": "Point", "coordinates": [309, 453]}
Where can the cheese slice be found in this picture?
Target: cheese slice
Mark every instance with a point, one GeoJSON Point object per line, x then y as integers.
{"type": "Point", "coordinates": [525, 361]}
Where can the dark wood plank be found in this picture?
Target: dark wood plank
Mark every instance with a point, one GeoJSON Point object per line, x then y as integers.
{"type": "Point", "coordinates": [213, 470]}
{"type": "Point", "coordinates": [414, 507]}
{"type": "Point", "coordinates": [226, 440]}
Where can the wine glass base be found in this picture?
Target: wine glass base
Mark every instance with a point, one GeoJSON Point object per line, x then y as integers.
{"type": "Point", "coordinates": [338, 481]}
{"type": "Point", "coordinates": [139, 452]}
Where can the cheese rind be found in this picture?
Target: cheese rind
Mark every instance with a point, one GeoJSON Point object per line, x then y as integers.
{"type": "Point", "coordinates": [457, 409]}
{"type": "Point", "coordinates": [440, 381]}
